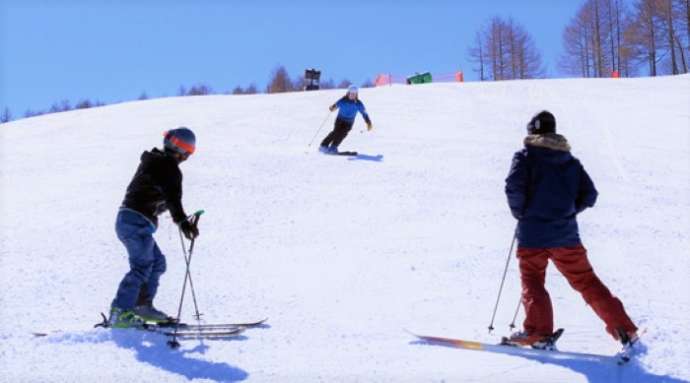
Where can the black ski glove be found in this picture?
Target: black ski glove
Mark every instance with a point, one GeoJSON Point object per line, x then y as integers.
{"type": "Point", "coordinates": [190, 231]}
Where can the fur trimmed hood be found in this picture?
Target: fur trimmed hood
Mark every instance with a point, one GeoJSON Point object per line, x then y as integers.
{"type": "Point", "coordinates": [551, 141]}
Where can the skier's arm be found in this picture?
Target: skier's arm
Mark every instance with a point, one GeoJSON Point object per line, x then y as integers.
{"type": "Point", "coordinates": [172, 190]}
{"type": "Point", "coordinates": [587, 193]}
{"type": "Point", "coordinates": [363, 111]}
{"type": "Point", "coordinates": [337, 104]}
{"type": "Point", "coordinates": [516, 185]}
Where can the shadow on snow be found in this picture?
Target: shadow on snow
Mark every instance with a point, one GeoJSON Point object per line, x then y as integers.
{"type": "Point", "coordinates": [153, 349]}
{"type": "Point", "coordinates": [367, 157]}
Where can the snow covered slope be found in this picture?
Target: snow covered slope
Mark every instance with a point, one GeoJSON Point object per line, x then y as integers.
{"type": "Point", "coordinates": [341, 253]}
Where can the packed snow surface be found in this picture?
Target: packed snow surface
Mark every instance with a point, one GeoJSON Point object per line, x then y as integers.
{"type": "Point", "coordinates": [342, 254]}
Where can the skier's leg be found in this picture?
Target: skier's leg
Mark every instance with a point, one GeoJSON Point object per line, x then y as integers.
{"type": "Point", "coordinates": [342, 128]}
{"type": "Point", "coordinates": [572, 262]}
{"type": "Point", "coordinates": [143, 295]}
{"type": "Point", "coordinates": [136, 234]}
{"type": "Point", "coordinates": [535, 298]}
{"type": "Point", "coordinates": [329, 138]}
{"type": "Point", "coordinates": [159, 267]}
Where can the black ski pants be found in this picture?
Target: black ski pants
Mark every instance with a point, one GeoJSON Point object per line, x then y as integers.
{"type": "Point", "coordinates": [340, 130]}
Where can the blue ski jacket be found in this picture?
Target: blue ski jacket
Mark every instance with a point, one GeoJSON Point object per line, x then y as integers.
{"type": "Point", "coordinates": [347, 110]}
{"type": "Point", "coordinates": [546, 188]}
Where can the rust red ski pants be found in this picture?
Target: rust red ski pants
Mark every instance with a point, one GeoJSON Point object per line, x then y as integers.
{"type": "Point", "coordinates": [573, 264]}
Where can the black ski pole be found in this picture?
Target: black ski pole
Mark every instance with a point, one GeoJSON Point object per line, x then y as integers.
{"type": "Point", "coordinates": [320, 127]}
{"type": "Point", "coordinates": [188, 260]}
{"type": "Point", "coordinates": [503, 279]}
{"type": "Point", "coordinates": [517, 309]}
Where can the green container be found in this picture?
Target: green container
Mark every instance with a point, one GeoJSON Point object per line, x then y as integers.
{"type": "Point", "coordinates": [419, 78]}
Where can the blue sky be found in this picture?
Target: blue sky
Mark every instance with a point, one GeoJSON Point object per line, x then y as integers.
{"type": "Point", "coordinates": [114, 50]}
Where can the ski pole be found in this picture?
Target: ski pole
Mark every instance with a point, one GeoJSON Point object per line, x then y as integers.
{"type": "Point", "coordinates": [320, 126]}
{"type": "Point", "coordinates": [503, 279]}
{"type": "Point", "coordinates": [517, 309]}
{"type": "Point", "coordinates": [188, 260]}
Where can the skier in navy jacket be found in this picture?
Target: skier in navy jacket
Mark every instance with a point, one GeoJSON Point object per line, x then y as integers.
{"type": "Point", "coordinates": [348, 107]}
{"type": "Point", "coordinates": [546, 188]}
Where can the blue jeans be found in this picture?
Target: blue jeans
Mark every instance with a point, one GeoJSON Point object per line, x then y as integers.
{"type": "Point", "coordinates": [146, 262]}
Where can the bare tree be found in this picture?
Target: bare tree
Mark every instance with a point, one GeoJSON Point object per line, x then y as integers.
{"type": "Point", "coordinates": [477, 55]}
{"type": "Point", "coordinates": [683, 11]}
{"type": "Point", "coordinates": [612, 34]}
{"type": "Point", "coordinates": [280, 81]}
{"type": "Point", "coordinates": [644, 33]}
{"type": "Point", "coordinates": [251, 89]}
{"type": "Point", "coordinates": [367, 84]}
{"type": "Point", "coordinates": [299, 83]}
{"type": "Point", "coordinates": [6, 116]}
{"type": "Point", "coordinates": [506, 51]}
{"type": "Point", "coordinates": [598, 51]}
{"type": "Point", "coordinates": [84, 104]}
{"type": "Point", "coordinates": [327, 84]}
{"type": "Point", "coordinates": [199, 90]}
{"type": "Point", "coordinates": [576, 58]}
{"type": "Point", "coordinates": [143, 96]}
{"type": "Point", "coordinates": [344, 84]}
{"type": "Point", "coordinates": [32, 113]}
{"type": "Point", "coordinates": [676, 12]}
{"type": "Point", "coordinates": [593, 40]}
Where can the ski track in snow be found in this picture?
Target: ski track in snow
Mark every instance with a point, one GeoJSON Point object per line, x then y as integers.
{"type": "Point", "coordinates": [343, 253]}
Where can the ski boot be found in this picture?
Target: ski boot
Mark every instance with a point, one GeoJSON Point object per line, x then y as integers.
{"type": "Point", "coordinates": [151, 314]}
{"type": "Point", "coordinates": [539, 342]}
{"type": "Point", "coordinates": [631, 346]}
{"type": "Point", "coordinates": [124, 319]}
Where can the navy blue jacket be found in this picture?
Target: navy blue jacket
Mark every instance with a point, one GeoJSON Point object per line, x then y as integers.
{"type": "Point", "coordinates": [348, 110]}
{"type": "Point", "coordinates": [546, 188]}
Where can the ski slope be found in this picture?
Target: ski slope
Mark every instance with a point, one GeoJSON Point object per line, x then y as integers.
{"type": "Point", "coordinates": [343, 254]}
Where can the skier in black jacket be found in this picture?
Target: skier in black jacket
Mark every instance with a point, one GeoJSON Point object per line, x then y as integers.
{"type": "Point", "coordinates": [155, 188]}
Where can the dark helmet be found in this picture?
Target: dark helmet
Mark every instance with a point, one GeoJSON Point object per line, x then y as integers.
{"type": "Point", "coordinates": [180, 140]}
{"type": "Point", "coordinates": [542, 122]}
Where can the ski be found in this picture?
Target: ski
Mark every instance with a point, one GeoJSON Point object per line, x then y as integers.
{"type": "Point", "coordinates": [183, 332]}
{"type": "Point", "coordinates": [509, 349]}
{"type": "Point", "coordinates": [343, 153]}
{"type": "Point", "coordinates": [347, 153]}
{"type": "Point", "coordinates": [212, 326]}
{"type": "Point", "coordinates": [187, 326]}
{"type": "Point", "coordinates": [182, 327]}
{"type": "Point", "coordinates": [199, 334]}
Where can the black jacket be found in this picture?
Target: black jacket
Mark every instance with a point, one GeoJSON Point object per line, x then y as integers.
{"type": "Point", "coordinates": [546, 188]}
{"type": "Point", "coordinates": [156, 187]}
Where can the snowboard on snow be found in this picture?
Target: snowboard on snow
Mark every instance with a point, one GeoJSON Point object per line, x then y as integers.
{"type": "Point", "coordinates": [505, 347]}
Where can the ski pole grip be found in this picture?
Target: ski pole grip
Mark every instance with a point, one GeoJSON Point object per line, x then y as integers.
{"type": "Point", "coordinates": [196, 216]}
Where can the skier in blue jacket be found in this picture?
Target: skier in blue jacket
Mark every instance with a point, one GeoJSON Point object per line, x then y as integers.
{"type": "Point", "coordinates": [348, 107]}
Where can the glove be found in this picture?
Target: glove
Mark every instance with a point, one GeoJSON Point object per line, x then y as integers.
{"type": "Point", "coordinates": [370, 126]}
{"type": "Point", "coordinates": [332, 107]}
{"type": "Point", "coordinates": [190, 231]}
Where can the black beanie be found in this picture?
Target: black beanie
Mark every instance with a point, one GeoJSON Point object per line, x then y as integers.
{"type": "Point", "coordinates": [542, 122]}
